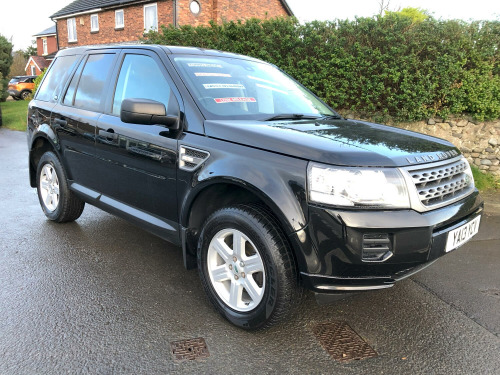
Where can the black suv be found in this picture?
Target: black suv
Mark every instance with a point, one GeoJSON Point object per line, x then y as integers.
{"type": "Point", "coordinates": [265, 187]}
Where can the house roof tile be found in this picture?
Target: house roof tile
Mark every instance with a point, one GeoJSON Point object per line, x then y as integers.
{"type": "Point", "coordinates": [48, 31]}
{"type": "Point", "coordinates": [78, 6]}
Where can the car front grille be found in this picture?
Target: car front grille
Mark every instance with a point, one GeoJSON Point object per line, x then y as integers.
{"type": "Point", "coordinates": [445, 183]}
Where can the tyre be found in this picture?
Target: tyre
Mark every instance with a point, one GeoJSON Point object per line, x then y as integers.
{"type": "Point", "coordinates": [246, 267]}
{"type": "Point", "coordinates": [25, 95]}
{"type": "Point", "coordinates": [58, 202]}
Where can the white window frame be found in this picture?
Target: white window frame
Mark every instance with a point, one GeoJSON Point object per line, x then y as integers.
{"type": "Point", "coordinates": [44, 46]}
{"type": "Point", "coordinates": [155, 28]}
{"type": "Point", "coordinates": [71, 22]}
{"type": "Point", "coordinates": [96, 17]}
{"type": "Point", "coordinates": [117, 26]}
{"type": "Point", "coordinates": [33, 70]}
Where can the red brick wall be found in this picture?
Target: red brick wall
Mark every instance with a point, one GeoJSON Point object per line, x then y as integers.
{"type": "Point", "coordinates": [39, 46]}
{"type": "Point", "coordinates": [28, 69]}
{"type": "Point", "coordinates": [229, 10]}
{"type": "Point", "coordinates": [185, 17]}
{"type": "Point", "coordinates": [134, 19]}
{"type": "Point", "coordinates": [51, 45]}
{"type": "Point", "coordinates": [133, 30]}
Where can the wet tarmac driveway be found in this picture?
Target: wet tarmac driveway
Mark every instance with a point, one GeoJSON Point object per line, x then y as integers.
{"type": "Point", "coordinates": [101, 296]}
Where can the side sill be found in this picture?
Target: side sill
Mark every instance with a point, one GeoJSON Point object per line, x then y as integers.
{"type": "Point", "coordinates": [163, 229]}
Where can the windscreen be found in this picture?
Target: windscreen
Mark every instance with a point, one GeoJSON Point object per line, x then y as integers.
{"type": "Point", "coordinates": [236, 88]}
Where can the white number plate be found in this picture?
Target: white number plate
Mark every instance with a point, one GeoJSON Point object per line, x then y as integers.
{"type": "Point", "coordinates": [457, 237]}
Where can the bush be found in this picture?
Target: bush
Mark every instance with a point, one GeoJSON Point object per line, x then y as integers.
{"type": "Point", "coordinates": [1, 90]}
{"type": "Point", "coordinates": [37, 81]}
{"type": "Point", "coordinates": [388, 66]}
{"type": "Point", "coordinates": [5, 63]}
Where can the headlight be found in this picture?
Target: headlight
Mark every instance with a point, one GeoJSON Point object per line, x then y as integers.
{"type": "Point", "coordinates": [362, 187]}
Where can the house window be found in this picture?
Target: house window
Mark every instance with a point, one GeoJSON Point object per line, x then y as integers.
{"type": "Point", "coordinates": [44, 44]}
{"type": "Point", "coordinates": [94, 23]}
{"type": "Point", "coordinates": [119, 19]}
{"type": "Point", "coordinates": [71, 30]}
{"type": "Point", "coordinates": [33, 70]}
{"type": "Point", "coordinates": [150, 17]}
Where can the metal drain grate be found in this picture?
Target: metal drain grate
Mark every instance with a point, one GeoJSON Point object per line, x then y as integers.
{"type": "Point", "coordinates": [190, 349]}
{"type": "Point", "coordinates": [341, 342]}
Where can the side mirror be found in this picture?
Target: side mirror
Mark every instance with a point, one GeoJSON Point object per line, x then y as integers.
{"type": "Point", "coordinates": [147, 112]}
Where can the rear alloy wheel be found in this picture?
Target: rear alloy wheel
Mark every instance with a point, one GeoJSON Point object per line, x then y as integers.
{"type": "Point", "coordinates": [58, 202]}
{"type": "Point", "coordinates": [25, 95]}
{"type": "Point", "coordinates": [49, 187]}
{"type": "Point", "coordinates": [246, 267]}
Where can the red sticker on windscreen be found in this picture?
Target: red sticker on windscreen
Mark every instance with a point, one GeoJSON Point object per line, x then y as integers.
{"type": "Point", "coordinates": [235, 100]}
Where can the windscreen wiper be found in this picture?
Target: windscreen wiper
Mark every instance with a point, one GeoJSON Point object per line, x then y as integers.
{"type": "Point", "coordinates": [291, 116]}
{"type": "Point", "coordinates": [335, 116]}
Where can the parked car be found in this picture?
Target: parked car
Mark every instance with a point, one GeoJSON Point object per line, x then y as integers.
{"type": "Point", "coordinates": [266, 188]}
{"type": "Point", "coordinates": [20, 87]}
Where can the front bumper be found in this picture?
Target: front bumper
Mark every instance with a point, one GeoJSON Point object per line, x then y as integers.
{"type": "Point", "coordinates": [334, 260]}
{"type": "Point", "coordinates": [14, 93]}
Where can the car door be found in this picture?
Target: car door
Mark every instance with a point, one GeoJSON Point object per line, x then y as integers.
{"type": "Point", "coordinates": [137, 163]}
{"type": "Point", "coordinates": [40, 108]}
{"type": "Point", "coordinates": [75, 116]}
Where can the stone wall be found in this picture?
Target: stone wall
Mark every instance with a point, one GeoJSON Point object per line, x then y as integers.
{"type": "Point", "coordinates": [478, 141]}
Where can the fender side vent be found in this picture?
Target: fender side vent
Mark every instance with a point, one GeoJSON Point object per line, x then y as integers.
{"type": "Point", "coordinates": [377, 247]}
{"type": "Point", "coordinates": [191, 158]}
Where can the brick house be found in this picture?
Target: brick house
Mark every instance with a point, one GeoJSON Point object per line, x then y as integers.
{"type": "Point", "coordinates": [36, 64]}
{"type": "Point", "coordinates": [46, 47]}
{"type": "Point", "coordinates": [88, 22]}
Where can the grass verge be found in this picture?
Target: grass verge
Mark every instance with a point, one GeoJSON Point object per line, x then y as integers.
{"type": "Point", "coordinates": [14, 114]}
{"type": "Point", "coordinates": [485, 181]}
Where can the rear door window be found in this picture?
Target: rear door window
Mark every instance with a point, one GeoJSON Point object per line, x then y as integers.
{"type": "Point", "coordinates": [92, 84]}
{"type": "Point", "coordinates": [55, 78]}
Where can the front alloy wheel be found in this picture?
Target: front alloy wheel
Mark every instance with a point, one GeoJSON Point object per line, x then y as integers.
{"type": "Point", "coordinates": [246, 266]}
{"type": "Point", "coordinates": [236, 270]}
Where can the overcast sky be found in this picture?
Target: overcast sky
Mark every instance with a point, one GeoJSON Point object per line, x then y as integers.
{"type": "Point", "coordinates": [19, 20]}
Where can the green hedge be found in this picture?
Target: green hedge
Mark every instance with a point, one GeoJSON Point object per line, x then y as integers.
{"type": "Point", "coordinates": [381, 66]}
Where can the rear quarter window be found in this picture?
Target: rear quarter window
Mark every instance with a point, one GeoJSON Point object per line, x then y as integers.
{"type": "Point", "coordinates": [55, 78]}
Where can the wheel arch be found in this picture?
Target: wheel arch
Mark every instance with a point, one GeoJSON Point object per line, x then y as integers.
{"type": "Point", "coordinates": [40, 144]}
{"type": "Point", "coordinates": [214, 194]}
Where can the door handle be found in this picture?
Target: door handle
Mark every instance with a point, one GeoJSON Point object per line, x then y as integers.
{"type": "Point", "coordinates": [61, 122]}
{"type": "Point", "coordinates": [109, 135]}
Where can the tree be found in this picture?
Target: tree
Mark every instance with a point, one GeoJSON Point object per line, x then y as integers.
{"type": "Point", "coordinates": [30, 51]}
{"type": "Point", "coordinates": [383, 7]}
{"type": "Point", "coordinates": [18, 64]}
{"type": "Point", "coordinates": [5, 63]}
{"type": "Point", "coordinates": [417, 15]}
